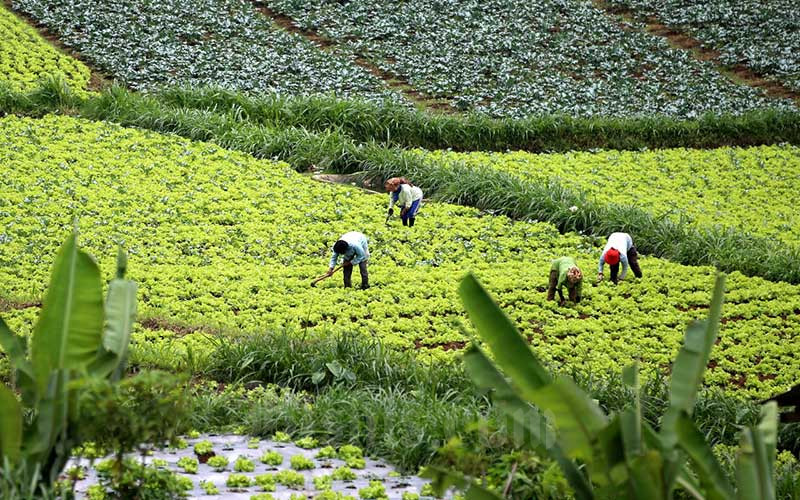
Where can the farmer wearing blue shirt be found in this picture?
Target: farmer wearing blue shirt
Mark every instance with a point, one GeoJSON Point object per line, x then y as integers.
{"type": "Point", "coordinates": [353, 249]}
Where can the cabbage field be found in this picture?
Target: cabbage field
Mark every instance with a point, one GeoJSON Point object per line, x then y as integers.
{"type": "Point", "coordinates": [759, 34]}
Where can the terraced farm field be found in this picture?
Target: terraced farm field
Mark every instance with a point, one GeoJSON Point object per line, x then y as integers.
{"type": "Point", "coordinates": [225, 43]}
{"type": "Point", "coordinates": [25, 56]}
{"type": "Point", "coordinates": [220, 240]}
{"type": "Point", "coordinates": [761, 35]}
{"type": "Point", "coordinates": [750, 189]}
{"type": "Point", "coordinates": [509, 58]}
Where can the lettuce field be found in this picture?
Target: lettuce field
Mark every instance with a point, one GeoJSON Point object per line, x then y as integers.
{"type": "Point", "coordinates": [751, 189]}
{"type": "Point", "coordinates": [218, 240]}
{"type": "Point", "coordinates": [25, 56]}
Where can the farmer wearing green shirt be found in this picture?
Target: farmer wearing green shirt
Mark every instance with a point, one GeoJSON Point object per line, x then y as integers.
{"type": "Point", "coordinates": [565, 271]}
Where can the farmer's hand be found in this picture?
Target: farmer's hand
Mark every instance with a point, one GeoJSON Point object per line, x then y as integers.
{"type": "Point", "coordinates": [403, 212]}
{"type": "Point", "coordinates": [599, 276]}
{"type": "Point", "coordinates": [330, 271]}
{"type": "Point", "coordinates": [391, 212]}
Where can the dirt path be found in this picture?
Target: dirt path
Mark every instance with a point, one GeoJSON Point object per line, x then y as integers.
{"type": "Point", "coordinates": [97, 79]}
{"type": "Point", "coordinates": [392, 81]}
{"type": "Point", "coordinates": [739, 74]}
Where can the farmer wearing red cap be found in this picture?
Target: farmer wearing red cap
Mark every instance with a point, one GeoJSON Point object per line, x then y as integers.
{"type": "Point", "coordinates": [619, 248]}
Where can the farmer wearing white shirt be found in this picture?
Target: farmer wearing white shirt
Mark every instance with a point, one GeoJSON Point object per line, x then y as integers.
{"type": "Point", "coordinates": [619, 248]}
{"type": "Point", "coordinates": [407, 196]}
{"type": "Point", "coordinates": [353, 249]}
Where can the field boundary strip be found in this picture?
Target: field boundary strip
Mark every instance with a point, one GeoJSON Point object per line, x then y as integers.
{"type": "Point", "coordinates": [738, 73]}
{"type": "Point", "coordinates": [392, 81]}
{"type": "Point", "coordinates": [97, 79]}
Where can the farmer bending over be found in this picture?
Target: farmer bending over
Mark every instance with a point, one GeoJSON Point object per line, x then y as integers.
{"type": "Point", "coordinates": [619, 248]}
{"type": "Point", "coordinates": [353, 248]}
{"type": "Point", "coordinates": [407, 196]}
{"type": "Point", "coordinates": [564, 271]}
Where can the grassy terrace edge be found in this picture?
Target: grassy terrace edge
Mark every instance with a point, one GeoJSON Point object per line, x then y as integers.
{"type": "Point", "coordinates": [396, 125]}
{"type": "Point", "coordinates": [335, 149]}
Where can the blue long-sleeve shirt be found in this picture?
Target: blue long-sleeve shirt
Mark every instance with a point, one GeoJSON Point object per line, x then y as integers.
{"type": "Point", "coordinates": [622, 242]}
{"type": "Point", "coordinates": [357, 249]}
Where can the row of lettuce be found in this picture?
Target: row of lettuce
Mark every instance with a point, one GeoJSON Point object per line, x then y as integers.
{"type": "Point", "coordinates": [499, 58]}
{"type": "Point", "coordinates": [25, 57]}
{"type": "Point", "coordinates": [224, 241]}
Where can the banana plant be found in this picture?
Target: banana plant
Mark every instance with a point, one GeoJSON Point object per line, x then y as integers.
{"type": "Point", "coordinates": [618, 455]}
{"type": "Point", "coordinates": [76, 336]}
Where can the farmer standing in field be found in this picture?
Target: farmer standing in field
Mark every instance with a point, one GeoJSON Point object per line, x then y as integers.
{"type": "Point", "coordinates": [407, 196]}
{"type": "Point", "coordinates": [619, 248]}
{"type": "Point", "coordinates": [565, 271]}
{"type": "Point", "coordinates": [352, 247]}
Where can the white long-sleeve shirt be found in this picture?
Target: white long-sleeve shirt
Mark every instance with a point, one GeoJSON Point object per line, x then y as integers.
{"type": "Point", "coordinates": [622, 242]}
{"type": "Point", "coordinates": [405, 196]}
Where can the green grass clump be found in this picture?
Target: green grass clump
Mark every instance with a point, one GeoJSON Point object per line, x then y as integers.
{"type": "Point", "coordinates": [272, 458]}
{"type": "Point", "coordinates": [299, 462]}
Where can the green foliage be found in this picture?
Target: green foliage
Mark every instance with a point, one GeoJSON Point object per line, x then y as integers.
{"type": "Point", "coordinates": [149, 408]}
{"type": "Point", "coordinates": [203, 448]}
{"type": "Point", "coordinates": [244, 464]}
{"type": "Point", "coordinates": [27, 56]}
{"type": "Point", "coordinates": [326, 452]}
{"type": "Point", "coordinates": [290, 478]}
{"type": "Point", "coordinates": [764, 36]}
{"type": "Point", "coordinates": [375, 490]}
{"type": "Point", "coordinates": [349, 451]}
{"type": "Point", "coordinates": [188, 464]}
{"type": "Point", "coordinates": [299, 462]}
{"type": "Point", "coordinates": [209, 488]}
{"type": "Point", "coordinates": [620, 453]}
{"type": "Point", "coordinates": [66, 347]}
{"type": "Point", "coordinates": [262, 496]}
{"type": "Point", "coordinates": [271, 458]}
{"type": "Point", "coordinates": [307, 443]}
{"type": "Point", "coordinates": [218, 462]}
{"type": "Point", "coordinates": [266, 482]}
{"type": "Point", "coordinates": [343, 474]}
{"type": "Point", "coordinates": [323, 482]}
{"type": "Point", "coordinates": [238, 481]}
{"type": "Point", "coordinates": [507, 58]}
{"type": "Point", "coordinates": [135, 481]}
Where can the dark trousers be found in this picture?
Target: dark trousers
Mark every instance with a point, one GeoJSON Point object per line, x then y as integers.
{"type": "Point", "coordinates": [633, 262]}
{"type": "Point", "coordinates": [348, 275]}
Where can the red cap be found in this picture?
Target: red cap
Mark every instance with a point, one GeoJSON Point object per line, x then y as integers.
{"type": "Point", "coordinates": [612, 256]}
